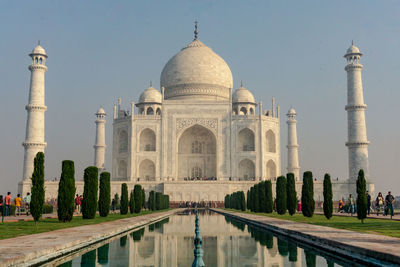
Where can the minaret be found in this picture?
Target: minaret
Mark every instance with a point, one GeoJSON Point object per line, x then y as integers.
{"type": "Point", "coordinates": [357, 132]}
{"type": "Point", "coordinates": [100, 145]}
{"type": "Point", "coordinates": [34, 139]}
{"type": "Point", "coordinates": [292, 146]}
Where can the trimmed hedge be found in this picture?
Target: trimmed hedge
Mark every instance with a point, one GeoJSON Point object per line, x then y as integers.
{"type": "Point", "coordinates": [291, 194]}
{"type": "Point", "coordinates": [89, 203]}
{"type": "Point", "coordinates": [269, 202]}
{"type": "Point", "coordinates": [281, 197]}
{"type": "Point", "coordinates": [132, 202]}
{"type": "Point", "coordinates": [124, 199]}
{"type": "Point", "coordinates": [137, 193]}
{"type": "Point", "coordinates": [307, 195]}
{"type": "Point", "coordinates": [66, 192]}
{"type": "Point", "coordinates": [328, 203]}
{"type": "Point", "coordinates": [105, 194]}
{"type": "Point", "coordinates": [37, 198]}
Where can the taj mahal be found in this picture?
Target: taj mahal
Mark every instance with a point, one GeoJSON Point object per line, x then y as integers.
{"type": "Point", "coordinates": [197, 138]}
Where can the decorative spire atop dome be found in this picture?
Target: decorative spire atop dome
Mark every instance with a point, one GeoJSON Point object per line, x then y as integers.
{"type": "Point", "coordinates": [196, 31]}
{"type": "Point", "coordinates": [241, 83]}
{"type": "Point", "coordinates": [151, 83]}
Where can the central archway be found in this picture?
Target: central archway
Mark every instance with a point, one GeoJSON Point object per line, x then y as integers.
{"type": "Point", "coordinates": [197, 151]}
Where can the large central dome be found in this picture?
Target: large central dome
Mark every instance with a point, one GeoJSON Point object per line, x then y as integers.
{"type": "Point", "coordinates": [196, 72]}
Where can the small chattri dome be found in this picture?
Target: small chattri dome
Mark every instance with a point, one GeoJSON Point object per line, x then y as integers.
{"type": "Point", "coordinates": [150, 95]}
{"type": "Point", "coordinates": [39, 50]}
{"type": "Point", "coordinates": [242, 95]}
{"type": "Point", "coordinates": [353, 50]}
{"type": "Point", "coordinates": [292, 111]}
{"type": "Point", "coordinates": [101, 111]}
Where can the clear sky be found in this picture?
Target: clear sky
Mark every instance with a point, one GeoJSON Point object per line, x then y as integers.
{"type": "Point", "coordinates": [291, 50]}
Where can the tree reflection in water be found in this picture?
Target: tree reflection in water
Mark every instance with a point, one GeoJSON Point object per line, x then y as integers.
{"type": "Point", "coordinates": [89, 259]}
{"type": "Point", "coordinates": [102, 254]}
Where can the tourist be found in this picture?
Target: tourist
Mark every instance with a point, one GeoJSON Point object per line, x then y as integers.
{"type": "Point", "coordinates": [379, 203]}
{"type": "Point", "coordinates": [8, 204]}
{"type": "Point", "coordinates": [389, 200]}
{"type": "Point", "coordinates": [351, 203]}
{"type": "Point", "coordinates": [298, 206]}
{"type": "Point", "coordinates": [27, 201]}
{"type": "Point", "coordinates": [18, 201]}
{"type": "Point", "coordinates": [340, 210]}
{"type": "Point", "coordinates": [368, 202]}
{"type": "Point", "coordinates": [78, 203]}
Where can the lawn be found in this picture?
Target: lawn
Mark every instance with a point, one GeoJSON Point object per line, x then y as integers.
{"type": "Point", "coordinates": [371, 226]}
{"type": "Point", "coordinates": [14, 229]}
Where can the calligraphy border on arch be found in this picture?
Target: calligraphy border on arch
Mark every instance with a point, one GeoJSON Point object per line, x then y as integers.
{"type": "Point", "coordinates": [182, 124]}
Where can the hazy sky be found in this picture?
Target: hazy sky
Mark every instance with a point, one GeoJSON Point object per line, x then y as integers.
{"type": "Point", "coordinates": [290, 50]}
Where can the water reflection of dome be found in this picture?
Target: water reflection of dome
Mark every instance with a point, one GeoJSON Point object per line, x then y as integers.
{"type": "Point", "coordinates": [146, 247]}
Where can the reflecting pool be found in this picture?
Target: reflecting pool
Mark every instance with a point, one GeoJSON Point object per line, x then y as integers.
{"type": "Point", "coordinates": [226, 242]}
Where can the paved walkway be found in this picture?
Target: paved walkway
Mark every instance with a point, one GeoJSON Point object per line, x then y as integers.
{"type": "Point", "coordinates": [37, 248]}
{"type": "Point", "coordinates": [337, 241]}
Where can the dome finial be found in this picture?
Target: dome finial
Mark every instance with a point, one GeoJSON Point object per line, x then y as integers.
{"type": "Point", "coordinates": [352, 43]}
{"type": "Point", "coordinates": [241, 83]}
{"type": "Point", "coordinates": [196, 31]}
{"type": "Point", "coordinates": [151, 83]}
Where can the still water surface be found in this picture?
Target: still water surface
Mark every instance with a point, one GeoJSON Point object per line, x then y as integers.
{"type": "Point", "coordinates": [226, 242]}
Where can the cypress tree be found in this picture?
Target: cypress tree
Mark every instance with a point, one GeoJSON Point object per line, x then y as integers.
{"type": "Point", "coordinates": [137, 192]}
{"type": "Point", "coordinates": [158, 200]}
{"type": "Point", "coordinates": [269, 207]}
{"type": "Point", "coordinates": [251, 201]}
{"type": "Point", "coordinates": [262, 196]}
{"type": "Point", "coordinates": [131, 202]}
{"type": "Point", "coordinates": [124, 199]}
{"type": "Point", "coordinates": [281, 203]}
{"type": "Point", "coordinates": [89, 203]}
{"type": "Point", "coordinates": [143, 199]}
{"type": "Point", "coordinates": [242, 201]}
{"type": "Point", "coordinates": [256, 200]}
{"type": "Point", "coordinates": [105, 194]}
{"type": "Point", "coordinates": [37, 198]}
{"type": "Point", "coordinates": [361, 196]}
{"type": "Point", "coordinates": [328, 204]}
{"type": "Point", "coordinates": [291, 194]}
{"type": "Point", "coordinates": [248, 199]}
{"type": "Point", "coordinates": [307, 195]}
{"type": "Point", "coordinates": [152, 200]}
{"type": "Point", "coordinates": [66, 192]}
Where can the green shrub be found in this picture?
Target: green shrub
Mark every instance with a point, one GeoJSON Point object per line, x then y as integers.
{"type": "Point", "coordinates": [89, 203]}
{"type": "Point", "coordinates": [124, 199]}
{"type": "Point", "coordinates": [105, 194]}
{"type": "Point", "coordinates": [66, 192]}
{"type": "Point", "coordinates": [328, 204]}
{"type": "Point", "coordinates": [37, 198]}
{"type": "Point", "coordinates": [256, 200]}
{"type": "Point", "coordinates": [307, 195]}
{"type": "Point", "coordinates": [152, 200]}
{"type": "Point", "coordinates": [291, 193]}
{"type": "Point", "coordinates": [269, 207]}
{"type": "Point", "coordinates": [158, 200]}
{"type": "Point", "coordinates": [281, 198]}
{"type": "Point", "coordinates": [242, 201]}
{"type": "Point", "coordinates": [47, 209]}
{"type": "Point", "coordinates": [361, 196]}
{"type": "Point", "coordinates": [137, 192]}
{"type": "Point", "coordinates": [132, 202]}
{"type": "Point", "coordinates": [143, 199]}
{"type": "Point", "coordinates": [248, 199]}
{"type": "Point", "coordinates": [262, 197]}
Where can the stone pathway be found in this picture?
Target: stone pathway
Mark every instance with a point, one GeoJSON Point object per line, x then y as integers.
{"type": "Point", "coordinates": [396, 217]}
{"type": "Point", "coordinates": [338, 241]}
{"type": "Point", "coordinates": [37, 248]}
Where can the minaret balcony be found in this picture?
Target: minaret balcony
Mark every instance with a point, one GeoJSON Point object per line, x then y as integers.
{"type": "Point", "coordinates": [355, 107]}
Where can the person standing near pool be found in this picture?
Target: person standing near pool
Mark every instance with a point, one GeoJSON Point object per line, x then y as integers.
{"type": "Point", "coordinates": [368, 202]}
{"type": "Point", "coordinates": [379, 203]}
{"type": "Point", "coordinates": [18, 201]}
{"type": "Point", "coordinates": [351, 203]}
{"type": "Point", "coordinates": [27, 201]}
{"type": "Point", "coordinates": [389, 199]}
{"type": "Point", "coordinates": [7, 201]}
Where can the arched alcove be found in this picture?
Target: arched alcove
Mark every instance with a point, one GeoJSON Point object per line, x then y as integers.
{"type": "Point", "coordinates": [243, 111]}
{"type": "Point", "coordinates": [270, 141]}
{"type": "Point", "coordinates": [150, 111]}
{"type": "Point", "coordinates": [197, 148]}
{"type": "Point", "coordinates": [147, 140]}
{"type": "Point", "coordinates": [123, 141]}
{"type": "Point", "coordinates": [158, 112]}
{"type": "Point", "coordinates": [246, 170]}
{"type": "Point", "coordinates": [147, 170]}
{"type": "Point", "coordinates": [271, 169]}
{"type": "Point", "coordinates": [246, 140]}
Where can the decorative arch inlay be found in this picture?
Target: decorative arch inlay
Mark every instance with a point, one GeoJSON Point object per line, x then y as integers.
{"type": "Point", "coordinates": [182, 124]}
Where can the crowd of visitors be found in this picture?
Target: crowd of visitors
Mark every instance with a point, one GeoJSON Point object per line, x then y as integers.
{"type": "Point", "coordinates": [20, 204]}
{"type": "Point", "coordinates": [381, 205]}
{"type": "Point", "coordinates": [200, 178]}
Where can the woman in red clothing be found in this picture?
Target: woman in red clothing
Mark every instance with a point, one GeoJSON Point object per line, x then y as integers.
{"type": "Point", "coordinates": [78, 203]}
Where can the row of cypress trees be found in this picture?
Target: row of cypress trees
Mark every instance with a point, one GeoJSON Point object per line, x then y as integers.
{"type": "Point", "coordinates": [235, 200]}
